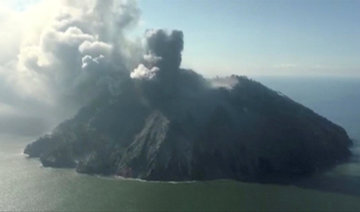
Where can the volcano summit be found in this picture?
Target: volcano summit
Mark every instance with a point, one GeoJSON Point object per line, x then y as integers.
{"type": "Point", "coordinates": [170, 123]}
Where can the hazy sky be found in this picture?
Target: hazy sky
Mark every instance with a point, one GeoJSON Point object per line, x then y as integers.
{"type": "Point", "coordinates": [263, 37]}
{"type": "Point", "coordinates": [57, 54]}
{"type": "Point", "coordinates": [282, 37]}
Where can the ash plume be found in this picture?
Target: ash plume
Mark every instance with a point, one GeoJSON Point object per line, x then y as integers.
{"type": "Point", "coordinates": [160, 73]}
{"type": "Point", "coordinates": [79, 51]}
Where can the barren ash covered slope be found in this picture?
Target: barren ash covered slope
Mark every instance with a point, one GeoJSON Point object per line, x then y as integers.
{"type": "Point", "coordinates": [168, 123]}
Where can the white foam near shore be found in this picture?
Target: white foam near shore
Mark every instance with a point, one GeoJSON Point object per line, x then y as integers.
{"type": "Point", "coordinates": [153, 181]}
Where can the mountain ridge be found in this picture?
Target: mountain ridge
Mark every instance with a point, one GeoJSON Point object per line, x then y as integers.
{"type": "Point", "coordinates": [251, 133]}
{"type": "Point", "coordinates": [169, 123]}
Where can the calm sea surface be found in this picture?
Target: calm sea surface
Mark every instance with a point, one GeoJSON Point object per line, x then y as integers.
{"type": "Point", "coordinates": [26, 186]}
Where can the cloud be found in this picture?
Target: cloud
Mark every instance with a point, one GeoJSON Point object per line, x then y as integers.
{"type": "Point", "coordinates": [73, 51]}
{"type": "Point", "coordinates": [142, 72]}
{"type": "Point", "coordinates": [60, 54]}
{"type": "Point", "coordinates": [95, 48]}
{"type": "Point", "coordinates": [82, 40]}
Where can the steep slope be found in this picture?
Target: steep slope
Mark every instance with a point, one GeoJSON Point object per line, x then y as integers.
{"type": "Point", "coordinates": [169, 123]}
{"type": "Point", "coordinates": [249, 133]}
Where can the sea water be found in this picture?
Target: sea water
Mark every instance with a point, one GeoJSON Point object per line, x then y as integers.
{"type": "Point", "coordinates": [27, 186]}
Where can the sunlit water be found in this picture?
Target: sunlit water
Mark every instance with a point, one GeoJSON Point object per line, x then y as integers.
{"type": "Point", "coordinates": [25, 185]}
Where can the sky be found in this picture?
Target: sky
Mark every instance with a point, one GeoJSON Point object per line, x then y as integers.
{"type": "Point", "coordinates": [57, 55]}
{"type": "Point", "coordinates": [261, 37]}
{"type": "Point", "coordinates": [266, 37]}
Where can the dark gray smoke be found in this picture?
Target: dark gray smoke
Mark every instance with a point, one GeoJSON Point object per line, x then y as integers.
{"type": "Point", "coordinates": [166, 45]}
{"type": "Point", "coordinates": [164, 83]}
{"type": "Point", "coordinates": [161, 63]}
{"type": "Point", "coordinates": [162, 55]}
{"type": "Point", "coordinates": [78, 52]}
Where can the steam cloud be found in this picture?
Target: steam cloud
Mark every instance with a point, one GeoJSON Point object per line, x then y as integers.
{"type": "Point", "coordinates": [142, 72]}
{"type": "Point", "coordinates": [80, 49]}
{"type": "Point", "coordinates": [71, 52]}
{"type": "Point", "coordinates": [74, 51]}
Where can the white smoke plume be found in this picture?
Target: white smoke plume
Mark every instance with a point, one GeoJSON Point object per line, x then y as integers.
{"type": "Point", "coordinates": [142, 72]}
{"type": "Point", "coordinates": [61, 53]}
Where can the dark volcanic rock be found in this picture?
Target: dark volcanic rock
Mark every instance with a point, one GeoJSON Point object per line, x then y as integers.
{"type": "Point", "coordinates": [248, 132]}
{"type": "Point", "coordinates": [179, 126]}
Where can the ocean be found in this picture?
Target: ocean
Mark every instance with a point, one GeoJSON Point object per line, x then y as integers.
{"type": "Point", "coordinates": [27, 186]}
